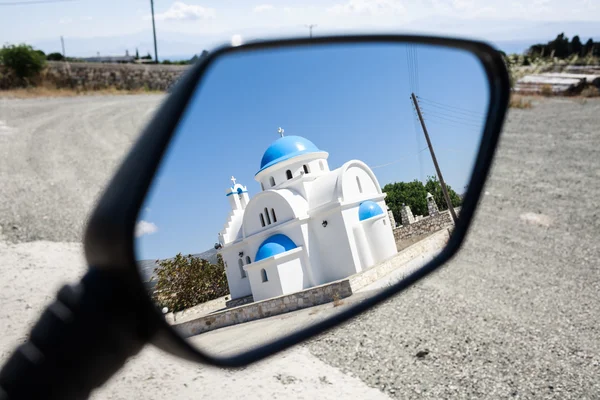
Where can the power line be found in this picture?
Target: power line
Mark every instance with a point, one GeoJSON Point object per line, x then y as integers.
{"type": "Point", "coordinates": [453, 124]}
{"type": "Point", "coordinates": [457, 116]}
{"type": "Point", "coordinates": [436, 117]}
{"type": "Point", "coordinates": [442, 105]}
{"type": "Point", "coordinates": [24, 3]}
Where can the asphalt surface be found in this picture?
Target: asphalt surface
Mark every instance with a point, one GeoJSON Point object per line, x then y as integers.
{"type": "Point", "coordinates": [514, 315]}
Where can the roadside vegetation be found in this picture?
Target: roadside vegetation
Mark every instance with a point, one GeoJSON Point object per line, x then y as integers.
{"type": "Point", "coordinates": [185, 281]}
{"type": "Point", "coordinates": [414, 195]}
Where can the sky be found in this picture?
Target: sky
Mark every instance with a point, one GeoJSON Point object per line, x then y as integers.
{"type": "Point", "coordinates": [320, 94]}
{"type": "Point", "coordinates": [187, 27]}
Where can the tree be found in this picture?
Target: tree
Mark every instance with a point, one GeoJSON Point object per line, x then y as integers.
{"type": "Point", "coordinates": [413, 194]}
{"type": "Point", "coordinates": [137, 54]}
{"type": "Point", "coordinates": [434, 187]}
{"type": "Point", "coordinates": [55, 57]}
{"type": "Point", "coordinates": [23, 60]}
{"type": "Point", "coordinates": [576, 47]}
{"type": "Point", "coordinates": [185, 281]}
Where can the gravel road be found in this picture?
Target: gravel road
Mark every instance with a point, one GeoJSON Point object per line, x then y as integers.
{"type": "Point", "coordinates": [55, 157]}
{"type": "Point", "coordinates": [515, 315]}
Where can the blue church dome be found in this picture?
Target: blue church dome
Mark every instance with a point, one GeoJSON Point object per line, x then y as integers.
{"type": "Point", "coordinates": [368, 209]}
{"type": "Point", "coordinates": [274, 245]}
{"type": "Point", "coordinates": [285, 148]}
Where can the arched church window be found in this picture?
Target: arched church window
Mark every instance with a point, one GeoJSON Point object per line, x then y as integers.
{"type": "Point", "coordinates": [262, 186]}
{"type": "Point", "coordinates": [306, 170]}
{"type": "Point", "coordinates": [248, 261]}
{"type": "Point", "coordinates": [267, 215]}
{"type": "Point", "coordinates": [273, 215]}
{"type": "Point", "coordinates": [359, 185]}
{"type": "Point", "coordinates": [272, 181]}
{"type": "Point", "coordinates": [241, 265]}
{"type": "Point", "coordinates": [264, 276]}
{"type": "Point", "coordinates": [262, 220]}
{"type": "Point", "coordinates": [321, 165]}
{"type": "Point", "coordinates": [288, 173]}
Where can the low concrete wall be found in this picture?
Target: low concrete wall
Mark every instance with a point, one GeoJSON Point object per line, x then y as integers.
{"type": "Point", "coordinates": [239, 302]}
{"type": "Point", "coordinates": [400, 265]}
{"type": "Point", "coordinates": [266, 308]}
{"type": "Point", "coordinates": [94, 76]}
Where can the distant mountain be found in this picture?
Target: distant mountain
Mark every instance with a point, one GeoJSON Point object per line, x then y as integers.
{"type": "Point", "coordinates": [147, 266]}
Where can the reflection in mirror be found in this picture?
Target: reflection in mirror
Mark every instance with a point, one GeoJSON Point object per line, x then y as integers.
{"type": "Point", "coordinates": [302, 180]}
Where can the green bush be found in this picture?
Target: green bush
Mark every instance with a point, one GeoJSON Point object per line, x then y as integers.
{"type": "Point", "coordinates": [55, 57]}
{"type": "Point", "coordinates": [185, 281]}
{"type": "Point", "coordinates": [23, 60]}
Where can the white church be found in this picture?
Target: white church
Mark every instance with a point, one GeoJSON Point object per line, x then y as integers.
{"type": "Point", "coordinates": [308, 226]}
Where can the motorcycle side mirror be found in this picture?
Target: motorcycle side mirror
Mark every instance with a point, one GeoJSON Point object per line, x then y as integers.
{"type": "Point", "coordinates": [349, 153]}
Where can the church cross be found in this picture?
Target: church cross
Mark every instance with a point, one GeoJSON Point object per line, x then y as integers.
{"type": "Point", "coordinates": [280, 131]}
{"type": "Point", "coordinates": [233, 180]}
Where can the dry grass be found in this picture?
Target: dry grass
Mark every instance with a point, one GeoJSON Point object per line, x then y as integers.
{"type": "Point", "coordinates": [546, 90]}
{"type": "Point", "coordinates": [41, 91]}
{"type": "Point", "coordinates": [337, 301]}
{"type": "Point", "coordinates": [590, 91]}
{"type": "Point", "coordinates": [518, 101]}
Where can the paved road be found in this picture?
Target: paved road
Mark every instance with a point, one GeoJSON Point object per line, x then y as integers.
{"type": "Point", "coordinates": [514, 315]}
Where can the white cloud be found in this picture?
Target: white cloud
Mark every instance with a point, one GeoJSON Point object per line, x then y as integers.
{"type": "Point", "coordinates": [181, 11]}
{"type": "Point", "coordinates": [368, 7]}
{"type": "Point", "coordinates": [263, 8]}
{"type": "Point", "coordinates": [65, 20]}
{"type": "Point", "coordinates": [145, 228]}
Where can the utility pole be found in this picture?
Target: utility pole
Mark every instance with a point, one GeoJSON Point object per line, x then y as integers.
{"type": "Point", "coordinates": [154, 31]}
{"type": "Point", "coordinates": [62, 41]}
{"type": "Point", "coordinates": [310, 28]}
{"type": "Point", "coordinates": [435, 163]}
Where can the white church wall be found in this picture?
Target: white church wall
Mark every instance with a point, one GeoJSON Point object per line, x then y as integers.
{"type": "Point", "coordinates": [238, 286]}
{"type": "Point", "coordinates": [275, 204]}
{"type": "Point", "coordinates": [380, 236]}
{"type": "Point", "coordinates": [350, 216]}
{"type": "Point", "coordinates": [336, 260]}
{"type": "Point", "coordinates": [270, 288]}
{"type": "Point", "coordinates": [357, 183]}
{"type": "Point", "coordinates": [291, 274]}
{"type": "Point", "coordinates": [363, 247]}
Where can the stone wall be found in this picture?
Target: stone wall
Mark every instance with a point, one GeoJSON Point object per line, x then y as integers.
{"type": "Point", "coordinates": [94, 76]}
{"type": "Point", "coordinates": [425, 225]}
{"type": "Point", "coordinates": [266, 308]}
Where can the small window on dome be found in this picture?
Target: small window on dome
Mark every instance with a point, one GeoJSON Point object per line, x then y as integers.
{"type": "Point", "coordinates": [273, 215]}
{"type": "Point", "coordinates": [262, 186]}
{"type": "Point", "coordinates": [359, 185]}
{"type": "Point", "coordinates": [262, 220]}
{"type": "Point", "coordinates": [288, 173]}
{"type": "Point", "coordinates": [272, 181]}
{"type": "Point", "coordinates": [306, 170]}
{"type": "Point", "coordinates": [267, 215]}
{"type": "Point", "coordinates": [322, 165]}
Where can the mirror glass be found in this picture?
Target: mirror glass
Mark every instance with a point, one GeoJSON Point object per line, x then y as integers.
{"type": "Point", "coordinates": [300, 181]}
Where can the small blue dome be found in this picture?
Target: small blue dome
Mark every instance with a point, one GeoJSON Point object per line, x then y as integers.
{"type": "Point", "coordinates": [285, 148]}
{"type": "Point", "coordinates": [274, 245]}
{"type": "Point", "coordinates": [368, 209]}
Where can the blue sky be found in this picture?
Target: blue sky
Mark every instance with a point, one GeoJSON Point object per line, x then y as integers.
{"type": "Point", "coordinates": [187, 27]}
{"type": "Point", "coordinates": [351, 101]}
